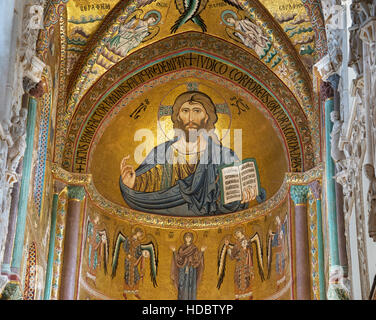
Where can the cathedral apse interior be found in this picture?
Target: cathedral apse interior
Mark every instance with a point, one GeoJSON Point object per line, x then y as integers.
{"type": "Point", "coordinates": [187, 150]}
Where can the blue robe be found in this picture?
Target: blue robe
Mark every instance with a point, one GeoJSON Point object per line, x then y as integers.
{"type": "Point", "coordinates": [196, 195]}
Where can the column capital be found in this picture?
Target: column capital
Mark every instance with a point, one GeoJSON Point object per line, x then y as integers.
{"type": "Point", "coordinates": [315, 187]}
{"type": "Point", "coordinates": [12, 291]}
{"type": "Point", "coordinates": [299, 194]}
{"type": "Point", "coordinates": [76, 193]}
{"type": "Point", "coordinates": [368, 31]}
{"type": "Point", "coordinates": [326, 91]}
{"type": "Point", "coordinates": [334, 81]}
{"type": "Point", "coordinates": [325, 67]}
{"type": "Point", "coordinates": [58, 186]}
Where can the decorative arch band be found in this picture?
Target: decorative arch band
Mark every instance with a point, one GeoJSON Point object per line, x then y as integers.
{"type": "Point", "coordinates": [76, 159]}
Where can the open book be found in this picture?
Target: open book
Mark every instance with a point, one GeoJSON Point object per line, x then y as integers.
{"type": "Point", "coordinates": [234, 178]}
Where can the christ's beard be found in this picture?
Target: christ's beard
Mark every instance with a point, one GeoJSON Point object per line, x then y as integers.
{"type": "Point", "coordinates": [191, 129]}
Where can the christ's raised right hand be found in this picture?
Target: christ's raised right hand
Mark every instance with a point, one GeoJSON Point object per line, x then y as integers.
{"type": "Point", "coordinates": [128, 175]}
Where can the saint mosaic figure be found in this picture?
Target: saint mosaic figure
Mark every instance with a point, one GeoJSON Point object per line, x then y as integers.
{"type": "Point", "coordinates": [133, 31]}
{"type": "Point", "coordinates": [242, 252]}
{"type": "Point", "coordinates": [97, 242]}
{"type": "Point", "coordinates": [136, 253]}
{"type": "Point", "coordinates": [181, 176]}
{"type": "Point", "coordinates": [245, 31]}
{"type": "Point", "coordinates": [280, 247]}
{"type": "Point", "coordinates": [187, 267]}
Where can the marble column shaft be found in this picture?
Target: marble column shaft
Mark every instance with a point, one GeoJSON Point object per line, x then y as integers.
{"type": "Point", "coordinates": [58, 187]}
{"type": "Point", "coordinates": [303, 270]}
{"type": "Point", "coordinates": [24, 191]}
{"type": "Point", "coordinates": [68, 277]}
{"type": "Point", "coordinates": [334, 81]}
{"type": "Point", "coordinates": [330, 187]}
{"type": "Point", "coordinates": [342, 251]}
{"type": "Point", "coordinates": [5, 268]}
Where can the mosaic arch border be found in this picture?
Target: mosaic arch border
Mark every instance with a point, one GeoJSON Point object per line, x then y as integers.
{"type": "Point", "coordinates": [55, 20]}
{"type": "Point", "coordinates": [253, 66]}
{"type": "Point", "coordinates": [43, 141]}
{"type": "Point", "coordinates": [56, 12]}
{"type": "Point", "coordinates": [178, 75]}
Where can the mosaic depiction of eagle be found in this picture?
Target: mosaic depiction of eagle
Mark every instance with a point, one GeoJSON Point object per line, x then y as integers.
{"type": "Point", "coordinates": [190, 11]}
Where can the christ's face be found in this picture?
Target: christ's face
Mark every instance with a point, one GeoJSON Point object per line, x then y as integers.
{"type": "Point", "coordinates": [192, 116]}
{"type": "Point", "coordinates": [244, 244]}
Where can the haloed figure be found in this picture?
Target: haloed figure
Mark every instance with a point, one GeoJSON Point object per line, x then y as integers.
{"type": "Point", "coordinates": [187, 268]}
{"type": "Point", "coordinates": [281, 249]}
{"type": "Point", "coordinates": [247, 32]}
{"type": "Point", "coordinates": [243, 274]}
{"type": "Point", "coordinates": [133, 264]}
{"type": "Point", "coordinates": [136, 253]}
{"type": "Point", "coordinates": [180, 176]}
{"type": "Point", "coordinates": [97, 242]}
{"type": "Point", "coordinates": [132, 32]}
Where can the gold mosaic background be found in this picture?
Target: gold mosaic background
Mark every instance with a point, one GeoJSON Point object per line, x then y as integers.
{"type": "Point", "coordinates": [260, 140]}
{"type": "Point", "coordinates": [107, 288]}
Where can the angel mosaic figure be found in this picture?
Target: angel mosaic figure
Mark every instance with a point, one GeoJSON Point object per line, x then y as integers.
{"type": "Point", "coordinates": [133, 31]}
{"type": "Point", "coordinates": [187, 268]}
{"type": "Point", "coordinates": [242, 252]}
{"type": "Point", "coordinates": [97, 241]}
{"type": "Point", "coordinates": [134, 264]}
{"type": "Point", "coordinates": [245, 31]}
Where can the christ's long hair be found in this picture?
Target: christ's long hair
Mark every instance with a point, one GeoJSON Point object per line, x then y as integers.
{"type": "Point", "coordinates": [195, 97]}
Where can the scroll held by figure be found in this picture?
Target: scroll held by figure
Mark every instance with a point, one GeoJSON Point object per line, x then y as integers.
{"type": "Point", "coordinates": [181, 177]}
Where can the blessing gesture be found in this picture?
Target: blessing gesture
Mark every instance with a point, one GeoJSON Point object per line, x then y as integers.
{"type": "Point", "coordinates": [128, 175]}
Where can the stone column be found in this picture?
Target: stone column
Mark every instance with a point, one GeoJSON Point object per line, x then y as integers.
{"type": "Point", "coordinates": [68, 278]}
{"type": "Point", "coordinates": [326, 93]}
{"type": "Point", "coordinates": [8, 37]}
{"type": "Point", "coordinates": [302, 272]}
{"type": "Point", "coordinates": [316, 191]}
{"type": "Point", "coordinates": [58, 187]}
{"type": "Point", "coordinates": [342, 251]}
{"type": "Point", "coordinates": [368, 36]}
{"type": "Point", "coordinates": [338, 155]}
{"type": "Point", "coordinates": [24, 192]}
{"type": "Point", "coordinates": [5, 267]}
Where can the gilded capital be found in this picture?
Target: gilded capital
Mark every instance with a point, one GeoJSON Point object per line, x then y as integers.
{"type": "Point", "coordinates": [76, 193]}
{"type": "Point", "coordinates": [58, 186]}
{"type": "Point", "coordinates": [299, 194]}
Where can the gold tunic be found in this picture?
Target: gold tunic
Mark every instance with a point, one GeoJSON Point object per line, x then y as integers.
{"type": "Point", "coordinates": [182, 167]}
